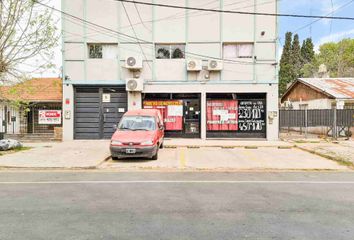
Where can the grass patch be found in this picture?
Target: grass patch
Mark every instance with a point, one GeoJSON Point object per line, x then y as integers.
{"type": "Point", "coordinates": [331, 156]}
{"type": "Point", "coordinates": [14, 150]}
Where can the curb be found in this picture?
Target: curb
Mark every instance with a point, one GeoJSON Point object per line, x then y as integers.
{"type": "Point", "coordinates": [58, 168]}
{"type": "Point", "coordinates": [339, 161]}
{"type": "Point", "coordinates": [231, 146]}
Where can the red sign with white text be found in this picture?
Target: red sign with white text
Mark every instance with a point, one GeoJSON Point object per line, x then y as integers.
{"type": "Point", "coordinates": [171, 112]}
{"type": "Point", "coordinates": [222, 115]}
{"type": "Point", "coordinates": [49, 116]}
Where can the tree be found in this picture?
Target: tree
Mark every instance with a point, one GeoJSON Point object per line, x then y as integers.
{"type": "Point", "coordinates": [285, 70]}
{"type": "Point", "coordinates": [307, 51]}
{"type": "Point", "coordinates": [338, 58]}
{"type": "Point", "coordinates": [27, 32]}
{"type": "Point", "coordinates": [296, 59]}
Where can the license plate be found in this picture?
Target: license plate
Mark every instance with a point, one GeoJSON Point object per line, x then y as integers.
{"type": "Point", "coordinates": [130, 151]}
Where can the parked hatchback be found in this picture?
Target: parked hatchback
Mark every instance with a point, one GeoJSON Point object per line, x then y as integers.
{"type": "Point", "coordinates": [140, 133]}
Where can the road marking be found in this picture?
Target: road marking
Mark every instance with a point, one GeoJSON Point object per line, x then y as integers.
{"type": "Point", "coordinates": [180, 181]}
{"type": "Point", "coordinates": [182, 159]}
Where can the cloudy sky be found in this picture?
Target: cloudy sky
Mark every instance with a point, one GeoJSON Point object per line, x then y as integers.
{"type": "Point", "coordinates": [321, 31]}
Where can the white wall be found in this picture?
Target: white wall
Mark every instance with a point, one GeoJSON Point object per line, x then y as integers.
{"type": "Point", "coordinates": [12, 127]}
{"type": "Point", "coordinates": [314, 104]}
{"type": "Point", "coordinates": [68, 121]}
{"type": "Point", "coordinates": [203, 32]}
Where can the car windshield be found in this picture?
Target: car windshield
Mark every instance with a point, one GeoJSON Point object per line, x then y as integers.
{"type": "Point", "coordinates": [134, 123]}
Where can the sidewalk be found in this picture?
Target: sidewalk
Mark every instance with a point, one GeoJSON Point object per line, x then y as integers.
{"type": "Point", "coordinates": [230, 159]}
{"type": "Point", "coordinates": [65, 155]}
{"type": "Point", "coordinates": [341, 151]}
{"type": "Point", "coordinates": [179, 142]}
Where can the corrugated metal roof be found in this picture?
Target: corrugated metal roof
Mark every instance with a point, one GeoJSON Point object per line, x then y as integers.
{"type": "Point", "coordinates": [336, 87]}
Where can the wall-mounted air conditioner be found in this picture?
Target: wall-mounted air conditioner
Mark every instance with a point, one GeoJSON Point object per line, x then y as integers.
{"type": "Point", "coordinates": [194, 65]}
{"type": "Point", "coordinates": [215, 65]}
{"type": "Point", "coordinates": [134, 63]}
{"type": "Point", "coordinates": [134, 85]}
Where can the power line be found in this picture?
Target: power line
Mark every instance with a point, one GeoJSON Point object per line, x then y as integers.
{"type": "Point", "coordinates": [139, 40]}
{"type": "Point", "coordinates": [196, 14]}
{"type": "Point", "coordinates": [328, 14]}
{"type": "Point", "coordinates": [136, 36]}
{"type": "Point", "coordinates": [140, 18]}
{"type": "Point", "coordinates": [238, 12]}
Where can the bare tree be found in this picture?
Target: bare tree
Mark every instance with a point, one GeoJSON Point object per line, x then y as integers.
{"type": "Point", "coordinates": [27, 32]}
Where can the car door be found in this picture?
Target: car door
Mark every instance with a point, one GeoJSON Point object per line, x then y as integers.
{"type": "Point", "coordinates": [160, 129]}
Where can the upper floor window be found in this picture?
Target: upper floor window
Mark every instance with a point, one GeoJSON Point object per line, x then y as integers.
{"type": "Point", "coordinates": [170, 51]}
{"type": "Point", "coordinates": [102, 51]}
{"type": "Point", "coordinates": [238, 50]}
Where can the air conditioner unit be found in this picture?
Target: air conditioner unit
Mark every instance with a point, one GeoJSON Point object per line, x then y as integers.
{"type": "Point", "coordinates": [215, 65]}
{"type": "Point", "coordinates": [194, 65]}
{"type": "Point", "coordinates": [134, 63]}
{"type": "Point", "coordinates": [134, 85]}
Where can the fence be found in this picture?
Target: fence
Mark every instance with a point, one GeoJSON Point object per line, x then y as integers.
{"type": "Point", "coordinates": [338, 122]}
{"type": "Point", "coordinates": [29, 122]}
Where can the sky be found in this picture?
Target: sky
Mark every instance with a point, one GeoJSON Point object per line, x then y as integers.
{"type": "Point", "coordinates": [321, 31]}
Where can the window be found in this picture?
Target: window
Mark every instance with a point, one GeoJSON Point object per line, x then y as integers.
{"type": "Point", "coordinates": [238, 50]}
{"type": "Point", "coordinates": [103, 51]}
{"type": "Point", "coordinates": [136, 123]}
{"type": "Point", "coordinates": [170, 51]}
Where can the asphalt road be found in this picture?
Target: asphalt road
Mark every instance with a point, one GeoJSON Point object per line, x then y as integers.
{"type": "Point", "coordinates": [103, 205]}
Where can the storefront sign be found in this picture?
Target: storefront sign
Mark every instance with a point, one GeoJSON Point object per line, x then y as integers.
{"type": "Point", "coordinates": [49, 116]}
{"type": "Point", "coordinates": [222, 115]}
{"type": "Point", "coordinates": [251, 115]}
{"type": "Point", "coordinates": [171, 111]}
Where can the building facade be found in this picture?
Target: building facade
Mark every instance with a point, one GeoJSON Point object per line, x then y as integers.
{"type": "Point", "coordinates": [212, 74]}
{"type": "Point", "coordinates": [31, 107]}
{"type": "Point", "coordinates": [319, 93]}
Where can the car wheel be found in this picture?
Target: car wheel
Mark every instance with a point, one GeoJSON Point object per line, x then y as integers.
{"type": "Point", "coordinates": [156, 155]}
{"type": "Point", "coordinates": [114, 158]}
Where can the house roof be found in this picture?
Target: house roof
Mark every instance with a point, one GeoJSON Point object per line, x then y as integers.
{"type": "Point", "coordinates": [34, 90]}
{"type": "Point", "coordinates": [339, 88]}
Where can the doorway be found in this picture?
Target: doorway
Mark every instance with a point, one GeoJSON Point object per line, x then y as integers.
{"type": "Point", "coordinates": [186, 126]}
{"type": "Point", "coordinates": [97, 109]}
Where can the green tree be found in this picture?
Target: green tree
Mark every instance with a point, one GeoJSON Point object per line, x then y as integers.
{"type": "Point", "coordinates": [27, 32]}
{"type": "Point", "coordinates": [285, 71]}
{"type": "Point", "coordinates": [296, 59]}
{"type": "Point", "coordinates": [338, 58]}
{"type": "Point", "coordinates": [307, 51]}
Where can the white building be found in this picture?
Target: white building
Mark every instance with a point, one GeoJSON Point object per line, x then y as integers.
{"type": "Point", "coordinates": [212, 74]}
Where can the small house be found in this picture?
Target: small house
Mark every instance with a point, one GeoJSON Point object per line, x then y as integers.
{"type": "Point", "coordinates": [32, 107]}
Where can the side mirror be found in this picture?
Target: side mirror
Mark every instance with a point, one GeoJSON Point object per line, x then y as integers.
{"type": "Point", "coordinates": [115, 127]}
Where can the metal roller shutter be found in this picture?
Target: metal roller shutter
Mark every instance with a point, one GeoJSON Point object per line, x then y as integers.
{"type": "Point", "coordinates": [94, 117]}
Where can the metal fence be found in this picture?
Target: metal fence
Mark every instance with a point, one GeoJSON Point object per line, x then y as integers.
{"type": "Point", "coordinates": [337, 121]}
{"type": "Point", "coordinates": [29, 122]}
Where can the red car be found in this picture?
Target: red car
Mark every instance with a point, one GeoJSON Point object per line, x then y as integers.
{"type": "Point", "coordinates": [140, 133]}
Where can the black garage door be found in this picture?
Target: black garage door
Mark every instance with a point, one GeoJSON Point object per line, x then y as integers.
{"type": "Point", "coordinates": [97, 109]}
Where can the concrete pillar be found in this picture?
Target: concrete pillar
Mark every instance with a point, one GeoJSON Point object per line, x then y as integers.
{"type": "Point", "coordinates": [272, 114]}
{"type": "Point", "coordinates": [68, 112]}
{"type": "Point", "coordinates": [134, 100]}
{"type": "Point", "coordinates": [203, 116]}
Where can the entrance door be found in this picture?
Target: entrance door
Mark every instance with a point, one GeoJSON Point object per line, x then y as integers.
{"type": "Point", "coordinates": [191, 118]}
{"type": "Point", "coordinates": [97, 110]}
